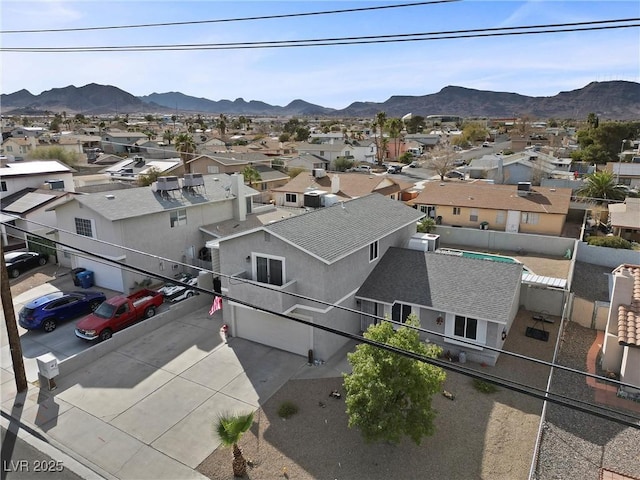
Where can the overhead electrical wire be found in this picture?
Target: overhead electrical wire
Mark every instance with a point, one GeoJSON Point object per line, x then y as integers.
{"type": "Point", "coordinates": [374, 39]}
{"type": "Point", "coordinates": [304, 297]}
{"type": "Point", "coordinates": [228, 20]}
{"type": "Point", "coordinates": [562, 400]}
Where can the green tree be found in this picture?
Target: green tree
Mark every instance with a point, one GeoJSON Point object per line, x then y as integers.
{"type": "Point", "coordinates": [342, 164]}
{"type": "Point", "coordinates": [389, 395]}
{"type": "Point", "coordinates": [426, 225]}
{"type": "Point", "coordinates": [602, 185]}
{"type": "Point", "coordinates": [251, 175]}
{"type": "Point", "coordinates": [474, 132]}
{"type": "Point", "coordinates": [603, 143]}
{"type": "Point", "coordinates": [394, 127]}
{"type": "Point", "coordinates": [302, 134]}
{"type": "Point", "coordinates": [186, 147]}
{"type": "Point", "coordinates": [54, 153]}
{"type": "Point", "coordinates": [284, 137]}
{"type": "Point", "coordinates": [415, 124]}
{"type": "Point", "coordinates": [151, 175]}
{"type": "Point", "coordinates": [149, 118]}
{"type": "Point", "coordinates": [230, 429]}
{"type": "Point", "coordinates": [167, 136]}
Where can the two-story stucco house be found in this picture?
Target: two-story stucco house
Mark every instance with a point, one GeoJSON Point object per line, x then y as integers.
{"type": "Point", "coordinates": [468, 304]}
{"type": "Point", "coordinates": [16, 176]}
{"type": "Point", "coordinates": [165, 220]}
{"type": "Point", "coordinates": [325, 254]}
{"type": "Point", "coordinates": [510, 208]}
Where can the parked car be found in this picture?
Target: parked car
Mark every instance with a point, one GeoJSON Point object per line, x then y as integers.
{"type": "Point", "coordinates": [20, 262]}
{"type": "Point", "coordinates": [118, 313]}
{"type": "Point", "coordinates": [361, 168]}
{"type": "Point", "coordinates": [174, 292]}
{"type": "Point", "coordinates": [47, 311]}
{"type": "Point", "coordinates": [414, 164]}
{"type": "Point", "coordinates": [455, 174]}
{"type": "Point", "coordinates": [395, 169]}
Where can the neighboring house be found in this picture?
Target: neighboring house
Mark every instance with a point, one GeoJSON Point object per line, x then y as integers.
{"type": "Point", "coordinates": [30, 210]}
{"type": "Point", "coordinates": [527, 166]}
{"type": "Point", "coordinates": [621, 346]}
{"type": "Point", "coordinates": [155, 149]}
{"type": "Point", "coordinates": [227, 162]}
{"type": "Point", "coordinates": [332, 187]}
{"type": "Point", "coordinates": [533, 140]}
{"type": "Point", "coordinates": [327, 151]}
{"type": "Point", "coordinates": [16, 176]}
{"type": "Point", "coordinates": [130, 169]}
{"type": "Point", "coordinates": [18, 148]}
{"type": "Point", "coordinates": [625, 173]}
{"type": "Point", "coordinates": [511, 208]}
{"type": "Point", "coordinates": [272, 147]}
{"type": "Point", "coordinates": [270, 178]}
{"type": "Point", "coordinates": [331, 137]}
{"type": "Point", "coordinates": [423, 140]}
{"type": "Point", "coordinates": [27, 132]}
{"type": "Point", "coordinates": [325, 254]}
{"type": "Point", "coordinates": [470, 303]}
{"type": "Point", "coordinates": [363, 151]}
{"type": "Point", "coordinates": [625, 219]}
{"type": "Point", "coordinates": [117, 141]}
{"type": "Point", "coordinates": [77, 143]}
{"type": "Point", "coordinates": [164, 221]}
{"type": "Point", "coordinates": [303, 161]}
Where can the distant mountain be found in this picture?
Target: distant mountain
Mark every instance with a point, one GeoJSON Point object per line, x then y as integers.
{"type": "Point", "coordinates": [618, 100]}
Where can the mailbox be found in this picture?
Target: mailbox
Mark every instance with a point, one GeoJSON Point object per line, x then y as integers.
{"type": "Point", "coordinates": [48, 366]}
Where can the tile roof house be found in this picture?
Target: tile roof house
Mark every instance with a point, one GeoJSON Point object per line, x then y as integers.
{"type": "Point", "coordinates": [153, 221]}
{"type": "Point", "coordinates": [625, 219]}
{"type": "Point", "coordinates": [511, 208]}
{"type": "Point", "coordinates": [341, 186]}
{"type": "Point", "coordinates": [621, 347]}
{"type": "Point", "coordinates": [325, 254]}
{"type": "Point", "coordinates": [467, 303]}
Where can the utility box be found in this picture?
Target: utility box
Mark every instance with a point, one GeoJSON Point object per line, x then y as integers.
{"type": "Point", "coordinates": [48, 366]}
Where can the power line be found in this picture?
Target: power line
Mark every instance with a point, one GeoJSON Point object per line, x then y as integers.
{"type": "Point", "coordinates": [228, 20]}
{"type": "Point", "coordinates": [376, 39]}
{"type": "Point", "coordinates": [310, 299]}
{"type": "Point", "coordinates": [575, 404]}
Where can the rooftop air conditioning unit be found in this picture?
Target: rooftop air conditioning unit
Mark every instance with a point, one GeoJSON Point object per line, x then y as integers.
{"type": "Point", "coordinates": [192, 180]}
{"type": "Point", "coordinates": [424, 242]}
{"type": "Point", "coordinates": [167, 183]}
{"type": "Point", "coordinates": [524, 188]}
{"type": "Point", "coordinates": [318, 172]}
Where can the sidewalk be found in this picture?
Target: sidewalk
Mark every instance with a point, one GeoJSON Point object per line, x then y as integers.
{"type": "Point", "coordinates": [146, 409]}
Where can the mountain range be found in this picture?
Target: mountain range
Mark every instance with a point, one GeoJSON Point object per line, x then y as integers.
{"type": "Point", "coordinates": [615, 100]}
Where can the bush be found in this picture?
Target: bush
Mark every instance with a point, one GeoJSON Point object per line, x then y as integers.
{"type": "Point", "coordinates": [484, 387]}
{"type": "Point", "coordinates": [287, 409]}
{"type": "Point", "coordinates": [611, 242]}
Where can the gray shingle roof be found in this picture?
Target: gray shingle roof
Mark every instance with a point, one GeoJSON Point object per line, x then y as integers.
{"type": "Point", "coordinates": [476, 288]}
{"type": "Point", "coordinates": [334, 232]}
{"type": "Point", "coordinates": [136, 202]}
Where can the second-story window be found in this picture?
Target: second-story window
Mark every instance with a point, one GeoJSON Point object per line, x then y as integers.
{"type": "Point", "coordinates": [373, 251]}
{"type": "Point", "coordinates": [84, 227]}
{"type": "Point", "coordinates": [178, 217]}
{"type": "Point", "coordinates": [269, 270]}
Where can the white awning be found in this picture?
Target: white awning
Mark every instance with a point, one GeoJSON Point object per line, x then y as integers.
{"type": "Point", "coordinates": [532, 279]}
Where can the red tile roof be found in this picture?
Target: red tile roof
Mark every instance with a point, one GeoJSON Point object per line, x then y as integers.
{"type": "Point", "coordinates": [629, 315]}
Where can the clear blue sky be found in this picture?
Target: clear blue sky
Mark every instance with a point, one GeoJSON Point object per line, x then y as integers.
{"type": "Point", "coordinates": [331, 76]}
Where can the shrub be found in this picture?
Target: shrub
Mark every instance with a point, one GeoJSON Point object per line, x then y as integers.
{"type": "Point", "coordinates": [287, 409]}
{"type": "Point", "coordinates": [611, 242]}
{"type": "Point", "coordinates": [484, 387]}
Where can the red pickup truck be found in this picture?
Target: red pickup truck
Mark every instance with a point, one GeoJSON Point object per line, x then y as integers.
{"type": "Point", "coordinates": [117, 313]}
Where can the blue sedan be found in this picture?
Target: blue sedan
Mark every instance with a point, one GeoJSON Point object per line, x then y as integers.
{"type": "Point", "coordinates": [45, 312]}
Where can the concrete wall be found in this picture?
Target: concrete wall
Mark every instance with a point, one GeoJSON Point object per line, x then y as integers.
{"type": "Point", "coordinates": [134, 332]}
{"type": "Point", "coordinates": [494, 240]}
{"type": "Point", "coordinates": [605, 256]}
{"type": "Point", "coordinates": [537, 299]}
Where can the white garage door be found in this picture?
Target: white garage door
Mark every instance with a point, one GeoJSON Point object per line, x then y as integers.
{"type": "Point", "coordinates": [274, 331]}
{"type": "Point", "coordinates": [105, 275]}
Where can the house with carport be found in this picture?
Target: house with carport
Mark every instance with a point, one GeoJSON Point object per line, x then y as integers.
{"type": "Point", "coordinates": [466, 304]}
{"type": "Point", "coordinates": [520, 208]}
{"type": "Point", "coordinates": [325, 255]}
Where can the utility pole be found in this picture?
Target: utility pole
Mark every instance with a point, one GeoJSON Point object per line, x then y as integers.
{"type": "Point", "coordinates": [12, 328]}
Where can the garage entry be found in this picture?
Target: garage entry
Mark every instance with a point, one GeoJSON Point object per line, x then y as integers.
{"type": "Point", "coordinates": [105, 275]}
{"type": "Point", "coordinates": [273, 331]}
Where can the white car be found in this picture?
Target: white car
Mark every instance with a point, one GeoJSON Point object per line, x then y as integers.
{"type": "Point", "coordinates": [175, 292]}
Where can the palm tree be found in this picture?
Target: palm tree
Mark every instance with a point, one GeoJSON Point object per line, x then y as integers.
{"type": "Point", "coordinates": [602, 185]}
{"type": "Point", "coordinates": [394, 125]}
{"type": "Point", "coordinates": [251, 175]}
{"type": "Point", "coordinates": [381, 119]}
{"type": "Point", "coordinates": [230, 428]}
{"type": "Point", "coordinates": [186, 147]}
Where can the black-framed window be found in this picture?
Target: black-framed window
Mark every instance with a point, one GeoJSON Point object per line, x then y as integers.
{"type": "Point", "coordinates": [400, 312]}
{"type": "Point", "coordinates": [373, 251]}
{"type": "Point", "coordinates": [84, 227]}
{"type": "Point", "coordinates": [269, 270]}
{"type": "Point", "coordinates": [466, 327]}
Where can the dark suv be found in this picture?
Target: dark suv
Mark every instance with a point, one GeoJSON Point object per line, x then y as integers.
{"type": "Point", "coordinates": [45, 312]}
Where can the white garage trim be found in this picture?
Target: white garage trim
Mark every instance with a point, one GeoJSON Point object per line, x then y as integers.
{"type": "Point", "coordinates": [105, 275]}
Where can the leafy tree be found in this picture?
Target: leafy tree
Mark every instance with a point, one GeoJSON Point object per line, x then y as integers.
{"type": "Point", "coordinates": [54, 153]}
{"type": "Point", "coordinates": [406, 158]}
{"type": "Point", "coordinates": [151, 175]}
{"type": "Point", "coordinates": [284, 137]}
{"type": "Point", "coordinates": [294, 172]}
{"type": "Point", "coordinates": [149, 118]}
{"type": "Point", "coordinates": [611, 242]}
{"type": "Point", "coordinates": [415, 124]}
{"type": "Point", "coordinates": [474, 132]}
{"type": "Point", "coordinates": [186, 147]}
{"type": "Point", "coordinates": [342, 164]}
{"type": "Point", "coordinates": [302, 134]}
{"type": "Point", "coordinates": [167, 136]}
{"type": "Point", "coordinates": [230, 429]}
{"type": "Point", "coordinates": [426, 225]}
{"type": "Point", "coordinates": [602, 143]}
{"type": "Point", "coordinates": [251, 175]}
{"type": "Point", "coordinates": [592, 120]}
{"type": "Point", "coordinates": [389, 395]}
{"type": "Point", "coordinates": [602, 185]}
